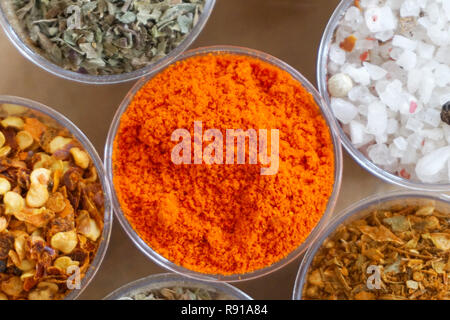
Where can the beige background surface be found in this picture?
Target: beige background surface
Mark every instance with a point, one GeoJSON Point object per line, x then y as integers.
{"type": "Point", "coordinates": [288, 29]}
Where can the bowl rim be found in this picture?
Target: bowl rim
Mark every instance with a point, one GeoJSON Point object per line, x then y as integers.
{"type": "Point", "coordinates": [44, 63]}
{"type": "Point", "coordinates": [358, 156]}
{"type": "Point", "coordinates": [63, 121]}
{"type": "Point", "coordinates": [348, 213]}
{"type": "Point", "coordinates": [145, 282]}
{"type": "Point", "coordinates": [165, 263]}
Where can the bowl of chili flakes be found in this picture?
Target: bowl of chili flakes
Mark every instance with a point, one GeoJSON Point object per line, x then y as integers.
{"type": "Point", "coordinates": [55, 217]}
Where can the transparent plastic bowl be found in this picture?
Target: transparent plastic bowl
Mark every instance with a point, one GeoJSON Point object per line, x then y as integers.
{"type": "Point", "coordinates": [159, 259]}
{"type": "Point", "coordinates": [358, 211]}
{"type": "Point", "coordinates": [164, 280]}
{"type": "Point", "coordinates": [49, 115]}
{"type": "Point", "coordinates": [360, 158]}
{"type": "Point", "coordinates": [11, 27]}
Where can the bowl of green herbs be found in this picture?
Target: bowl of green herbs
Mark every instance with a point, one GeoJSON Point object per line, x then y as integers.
{"type": "Point", "coordinates": [170, 286]}
{"type": "Point", "coordinates": [103, 41]}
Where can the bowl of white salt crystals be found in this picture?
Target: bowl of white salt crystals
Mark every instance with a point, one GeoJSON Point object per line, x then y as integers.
{"type": "Point", "coordinates": [384, 69]}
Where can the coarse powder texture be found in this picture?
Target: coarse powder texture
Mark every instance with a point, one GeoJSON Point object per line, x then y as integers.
{"type": "Point", "coordinates": [223, 219]}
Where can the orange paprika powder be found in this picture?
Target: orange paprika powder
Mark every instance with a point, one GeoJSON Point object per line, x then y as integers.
{"type": "Point", "coordinates": [222, 219]}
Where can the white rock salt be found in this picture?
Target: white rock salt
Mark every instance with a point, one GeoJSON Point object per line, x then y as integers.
{"type": "Point", "coordinates": [404, 43]}
{"type": "Point", "coordinates": [377, 119]}
{"type": "Point", "coordinates": [409, 8]}
{"type": "Point", "coordinates": [380, 19]}
{"type": "Point", "coordinates": [425, 50]}
{"type": "Point", "coordinates": [442, 75]}
{"type": "Point", "coordinates": [337, 55]}
{"type": "Point", "coordinates": [407, 60]}
{"type": "Point", "coordinates": [400, 143]}
{"type": "Point", "coordinates": [414, 125]}
{"type": "Point", "coordinates": [429, 166]}
{"type": "Point", "coordinates": [359, 75]}
{"type": "Point", "coordinates": [343, 110]}
{"type": "Point", "coordinates": [399, 90]}
{"type": "Point", "coordinates": [375, 72]}
{"type": "Point", "coordinates": [392, 126]}
{"type": "Point", "coordinates": [358, 133]}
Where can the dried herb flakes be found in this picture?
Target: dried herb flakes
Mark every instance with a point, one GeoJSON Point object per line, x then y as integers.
{"type": "Point", "coordinates": [399, 254]}
{"type": "Point", "coordinates": [105, 37]}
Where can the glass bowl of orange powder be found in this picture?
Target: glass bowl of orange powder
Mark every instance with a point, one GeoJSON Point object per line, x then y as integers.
{"type": "Point", "coordinates": [200, 205]}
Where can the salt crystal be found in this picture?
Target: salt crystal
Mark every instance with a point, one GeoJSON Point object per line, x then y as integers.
{"type": "Point", "coordinates": [404, 43]}
{"type": "Point", "coordinates": [425, 50]}
{"type": "Point", "coordinates": [353, 16]}
{"type": "Point", "coordinates": [414, 79]}
{"type": "Point", "coordinates": [337, 55]}
{"type": "Point", "coordinates": [409, 8]}
{"type": "Point", "coordinates": [429, 166]}
{"type": "Point", "coordinates": [414, 125]}
{"type": "Point", "coordinates": [400, 143]}
{"type": "Point", "coordinates": [358, 133]}
{"type": "Point", "coordinates": [361, 94]}
{"type": "Point", "coordinates": [446, 5]}
{"type": "Point", "coordinates": [384, 35]}
{"type": "Point", "coordinates": [428, 146]}
{"type": "Point", "coordinates": [383, 138]}
{"type": "Point", "coordinates": [431, 117]}
{"type": "Point", "coordinates": [377, 119]}
{"type": "Point", "coordinates": [415, 140]}
{"type": "Point", "coordinates": [375, 72]}
{"type": "Point", "coordinates": [447, 133]}
{"type": "Point", "coordinates": [392, 126]}
{"type": "Point", "coordinates": [407, 60]}
{"type": "Point", "coordinates": [343, 110]}
{"type": "Point", "coordinates": [435, 134]}
{"type": "Point", "coordinates": [438, 36]}
{"type": "Point", "coordinates": [409, 157]}
{"type": "Point", "coordinates": [427, 86]}
{"type": "Point", "coordinates": [395, 152]}
{"type": "Point", "coordinates": [359, 75]}
{"type": "Point", "coordinates": [442, 75]}
{"type": "Point", "coordinates": [380, 19]}
{"type": "Point", "coordinates": [444, 98]}
{"type": "Point", "coordinates": [392, 95]}
{"type": "Point", "coordinates": [379, 154]}
{"type": "Point", "coordinates": [443, 55]}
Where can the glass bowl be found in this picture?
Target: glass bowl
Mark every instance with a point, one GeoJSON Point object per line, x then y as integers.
{"type": "Point", "coordinates": [358, 156]}
{"type": "Point", "coordinates": [160, 260]}
{"type": "Point", "coordinates": [361, 209]}
{"type": "Point", "coordinates": [49, 115]}
{"type": "Point", "coordinates": [10, 27]}
{"type": "Point", "coordinates": [163, 280]}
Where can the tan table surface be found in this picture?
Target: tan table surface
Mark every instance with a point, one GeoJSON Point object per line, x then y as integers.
{"type": "Point", "coordinates": [288, 29]}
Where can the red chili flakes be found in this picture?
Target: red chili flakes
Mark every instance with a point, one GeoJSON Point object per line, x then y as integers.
{"type": "Point", "coordinates": [363, 57]}
{"type": "Point", "coordinates": [348, 44]}
{"type": "Point", "coordinates": [405, 174]}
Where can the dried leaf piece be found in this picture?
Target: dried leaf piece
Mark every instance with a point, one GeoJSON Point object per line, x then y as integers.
{"type": "Point", "coordinates": [398, 223]}
{"type": "Point", "coordinates": [381, 234]}
{"type": "Point", "coordinates": [441, 240]}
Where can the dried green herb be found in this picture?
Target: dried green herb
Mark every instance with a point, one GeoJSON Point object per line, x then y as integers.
{"type": "Point", "coordinates": [176, 293]}
{"type": "Point", "coordinates": [103, 37]}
